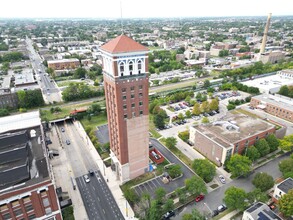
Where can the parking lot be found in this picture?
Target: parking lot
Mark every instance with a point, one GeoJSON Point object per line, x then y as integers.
{"type": "Point", "coordinates": [149, 186]}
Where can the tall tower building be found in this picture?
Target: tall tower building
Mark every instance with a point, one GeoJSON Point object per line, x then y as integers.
{"type": "Point", "coordinates": [125, 69]}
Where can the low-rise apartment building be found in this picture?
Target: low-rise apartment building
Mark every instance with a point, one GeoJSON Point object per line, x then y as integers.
{"type": "Point", "coordinates": [282, 188]}
{"type": "Point", "coordinates": [259, 211]}
{"type": "Point", "coordinates": [64, 64]}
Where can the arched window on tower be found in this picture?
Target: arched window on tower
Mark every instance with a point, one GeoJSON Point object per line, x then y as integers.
{"type": "Point", "coordinates": [139, 66]}
{"type": "Point", "coordinates": [121, 68]}
{"type": "Point", "coordinates": [130, 67]}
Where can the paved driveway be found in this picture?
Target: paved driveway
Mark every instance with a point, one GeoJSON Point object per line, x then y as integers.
{"type": "Point", "coordinates": [150, 186]}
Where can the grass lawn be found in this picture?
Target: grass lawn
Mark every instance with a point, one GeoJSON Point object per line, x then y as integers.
{"type": "Point", "coordinates": [160, 167]}
{"type": "Point", "coordinates": [95, 121]}
{"type": "Point", "coordinates": [65, 110]}
{"type": "Point", "coordinates": [179, 154]}
{"type": "Point", "coordinates": [63, 83]}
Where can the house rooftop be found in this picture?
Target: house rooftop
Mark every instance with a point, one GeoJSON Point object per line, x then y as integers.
{"type": "Point", "coordinates": [260, 211]}
{"type": "Point", "coordinates": [233, 128]}
{"type": "Point", "coordinates": [286, 185]}
{"type": "Point", "coordinates": [123, 44]}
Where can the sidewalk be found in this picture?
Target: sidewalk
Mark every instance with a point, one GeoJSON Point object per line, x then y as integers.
{"type": "Point", "coordinates": [229, 215]}
{"type": "Point", "coordinates": [113, 184]}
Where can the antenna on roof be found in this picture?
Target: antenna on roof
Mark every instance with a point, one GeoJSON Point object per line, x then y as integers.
{"type": "Point", "coordinates": [121, 17]}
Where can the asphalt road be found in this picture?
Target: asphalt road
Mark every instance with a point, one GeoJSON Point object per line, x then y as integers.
{"type": "Point", "coordinates": [214, 199]}
{"type": "Point", "coordinates": [49, 88]}
{"type": "Point", "coordinates": [98, 199]}
{"type": "Point", "coordinates": [187, 173]}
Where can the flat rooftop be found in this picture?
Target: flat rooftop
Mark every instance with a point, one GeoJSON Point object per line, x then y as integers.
{"type": "Point", "coordinates": [63, 61]}
{"type": "Point", "coordinates": [6, 82]}
{"type": "Point", "coordinates": [20, 121]}
{"type": "Point", "coordinates": [269, 83]}
{"type": "Point", "coordinates": [277, 100]}
{"type": "Point", "coordinates": [233, 128]}
{"type": "Point", "coordinates": [22, 159]}
{"type": "Point", "coordinates": [25, 77]}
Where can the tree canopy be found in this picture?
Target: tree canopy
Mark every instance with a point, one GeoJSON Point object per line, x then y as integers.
{"type": "Point", "coordinates": [262, 147]}
{"type": "Point", "coordinates": [239, 165]}
{"type": "Point", "coordinates": [235, 198]}
{"type": "Point", "coordinates": [195, 186]}
{"type": "Point", "coordinates": [205, 169]}
{"type": "Point", "coordinates": [286, 203]}
{"type": "Point", "coordinates": [30, 98]}
{"type": "Point", "coordinates": [263, 181]}
{"type": "Point", "coordinates": [273, 142]}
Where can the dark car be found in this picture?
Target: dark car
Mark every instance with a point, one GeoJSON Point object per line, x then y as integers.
{"type": "Point", "coordinates": [215, 213]}
{"type": "Point", "coordinates": [91, 172]}
{"type": "Point", "coordinates": [67, 142]}
{"type": "Point", "coordinates": [169, 214]}
{"type": "Point", "coordinates": [62, 129]}
{"type": "Point", "coordinates": [199, 198]}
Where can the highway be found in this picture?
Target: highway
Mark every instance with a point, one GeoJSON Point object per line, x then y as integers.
{"type": "Point", "coordinates": [97, 197]}
{"type": "Point", "coordinates": [49, 88]}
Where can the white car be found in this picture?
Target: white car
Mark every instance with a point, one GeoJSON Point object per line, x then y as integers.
{"type": "Point", "coordinates": [222, 179]}
{"type": "Point", "coordinates": [86, 178]}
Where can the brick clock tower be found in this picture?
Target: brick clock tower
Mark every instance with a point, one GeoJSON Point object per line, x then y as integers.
{"type": "Point", "coordinates": [125, 69]}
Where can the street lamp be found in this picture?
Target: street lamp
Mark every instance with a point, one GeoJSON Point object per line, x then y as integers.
{"type": "Point", "coordinates": [208, 208]}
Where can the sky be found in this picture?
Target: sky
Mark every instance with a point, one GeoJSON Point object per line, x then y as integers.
{"type": "Point", "coordinates": [142, 9]}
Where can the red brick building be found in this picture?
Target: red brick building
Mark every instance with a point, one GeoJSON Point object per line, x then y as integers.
{"type": "Point", "coordinates": [233, 134]}
{"type": "Point", "coordinates": [125, 69]}
{"type": "Point", "coordinates": [64, 64]}
{"type": "Point", "coordinates": [27, 189]}
{"type": "Point", "coordinates": [279, 106]}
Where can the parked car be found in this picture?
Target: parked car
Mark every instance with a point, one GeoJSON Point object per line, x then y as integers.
{"type": "Point", "coordinates": [62, 129]}
{"type": "Point", "coordinates": [222, 179]}
{"type": "Point", "coordinates": [86, 178]}
{"type": "Point", "coordinates": [222, 208]}
{"type": "Point", "coordinates": [91, 172]}
{"type": "Point", "coordinates": [67, 142]}
{"type": "Point", "coordinates": [215, 213]}
{"type": "Point", "coordinates": [169, 214]}
{"type": "Point", "coordinates": [199, 198]}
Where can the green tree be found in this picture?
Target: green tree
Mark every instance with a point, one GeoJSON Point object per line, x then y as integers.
{"type": "Point", "coordinates": [194, 215]}
{"type": "Point", "coordinates": [155, 211]}
{"type": "Point", "coordinates": [160, 195]}
{"type": "Point", "coordinates": [286, 166]}
{"type": "Point", "coordinates": [171, 142]}
{"type": "Point", "coordinates": [94, 109]}
{"type": "Point", "coordinates": [239, 165]}
{"type": "Point", "coordinates": [257, 195]}
{"type": "Point", "coordinates": [30, 98]}
{"type": "Point", "coordinates": [3, 112]}
{"type": "Point", "coordinates": [263, 181]}
{"type": "Point", "coordinates": [273, 142]}
{"type": "Point", "coordinates": [131, 196]}
{"type": "Point", "coordinates": [174, 170]}
{"type": "Point", "coordinates": [196, 109]}
{"type": "Point", "coordinates": [79, 73]}
{"type": "Point", "coordinates": [214, 104]}
{"type": "Point", "coordinates": [286, 143]}
{"type": "Point", "coordinates": [204, 107]}
{"type": "Point", "coordinates": [159, 121]}
{"type": "Point", "coordinates": [180, 116]}
{"type": "Point", "coordinates": [235, 198]}
{"type": "Point", "coordinates": [169, 205]}
{"type": "Point", "coordinates": [195, 186]}
{"type": "Point", "coordinates": [184, 135]}
{"type": "Point", "coordinates": [252, 153]}
{"type": "Point", "coordinates": [206, 83]}
{"type": "Point", "coordinates": [230, 106]}
{"type": "Point", "coordinates": [205, 120]}
{"type": "Point", "coordinates": [284, 90]}
{"type": "Point", "coordinates": [262, 147]}
{"type": "Point", "coordinates": [188, 114]}
{"type": "Point", "coordinates": [204, 169]}
{"type": "Point", "coordinates": [286, 203]}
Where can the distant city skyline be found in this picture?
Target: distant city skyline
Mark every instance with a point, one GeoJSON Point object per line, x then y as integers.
{"type": "Point", "coordinates": [139, 9]}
